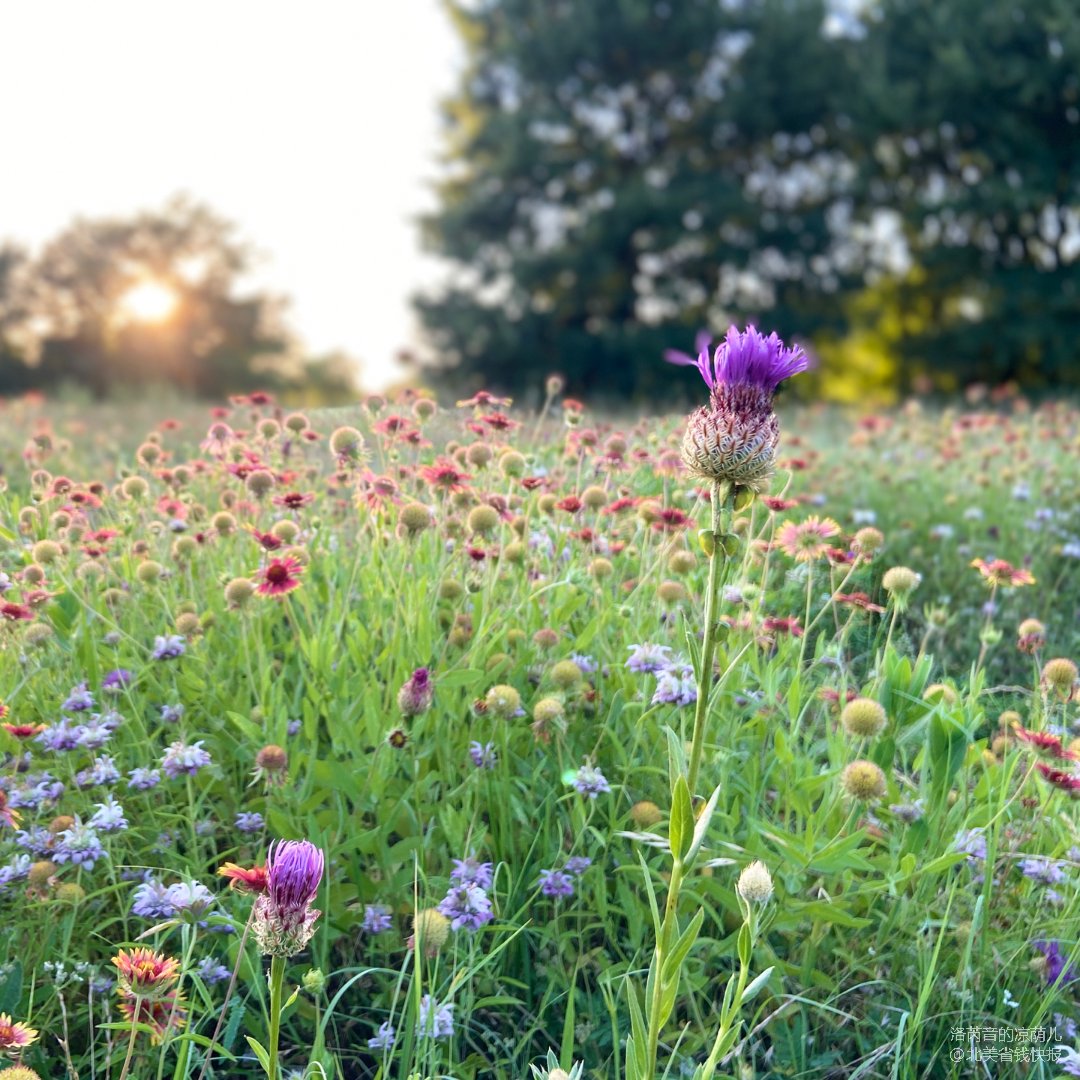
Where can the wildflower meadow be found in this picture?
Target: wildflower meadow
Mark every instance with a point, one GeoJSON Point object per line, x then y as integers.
{"type": "Point", "coordinates": [426, 739]}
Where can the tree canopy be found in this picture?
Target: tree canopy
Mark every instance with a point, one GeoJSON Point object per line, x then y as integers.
{"type": "Point", "coordinates": [619, 176]}
{"type": "Point", "coordinates": [157, 298]}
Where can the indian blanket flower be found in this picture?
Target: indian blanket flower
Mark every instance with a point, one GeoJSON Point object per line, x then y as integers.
{"type": "Point", "coordinates": [279, 576]}
{"type": "Point", "coordinates": [807, 541]}
{"type": "Point", "coordinates": [1059, 778]}
{"type": "Point", "coordinates": [252, 879]}
{"type": "Point", "coordinates": [162, 1016]}
{"type": "Point", "coordinates": [284, 919]}
{"type": "Point", "coordinates": [733, 439]}
{"type": "Point", "coordinates": [144, 973]}
{"type": "Point", "coordinates": [14, 1036]}
{"type": "Point", "coordinates": [1045, 743]}
{"type": "Point", "coordinates": [997, 572]}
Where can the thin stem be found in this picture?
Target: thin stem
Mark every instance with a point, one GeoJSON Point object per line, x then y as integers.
{"type": "Point", "coordinates": [131, 1044]}
{"type": "Point", "coordinates": [277, 978]}
{"type": "Point", "coordinates": [228, 995]}
{"type": "Point", "coordinates": [723, 503]}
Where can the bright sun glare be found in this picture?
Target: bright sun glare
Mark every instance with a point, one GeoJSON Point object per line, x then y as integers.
{"type": "Point", "coordinates": [149, 301]}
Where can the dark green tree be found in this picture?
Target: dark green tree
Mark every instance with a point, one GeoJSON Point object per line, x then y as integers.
{"type": "Point", "coordinates": [972, 110]}
{"type": "Point", "coordinates": [622, 174]}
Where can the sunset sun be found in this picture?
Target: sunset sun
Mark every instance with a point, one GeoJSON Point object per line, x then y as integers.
{"type": "Point", "coordinates": [149, 302]}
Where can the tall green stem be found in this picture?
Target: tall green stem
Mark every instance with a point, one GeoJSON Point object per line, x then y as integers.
{"type": "Point", "coordinates": [723, 505]}
{"type": "Point", "coordinates": [277, 979]}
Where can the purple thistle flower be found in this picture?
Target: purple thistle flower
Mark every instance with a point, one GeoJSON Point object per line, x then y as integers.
{"type": "Point", "coordinates": [556, 883]}
{"type": "Point", "coordinates": [377, 919]}
{"type": "Point", "coordinates": [284, 918]}
{"type": "Point", "coordinates": [467, 906]}
{"type": "Point", "coordinates": [416, 693]}
{"type": "Point", "coordinates": [746, 359]}
{"type": "Point", "coordinates": [591, 781]}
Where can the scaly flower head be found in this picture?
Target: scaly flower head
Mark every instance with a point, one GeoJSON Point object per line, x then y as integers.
{"type": "Point", "coordinates": [284, 918]}
{"type": "Point", "coordinates": [734, 438]}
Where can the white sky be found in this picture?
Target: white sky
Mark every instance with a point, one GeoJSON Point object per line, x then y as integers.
{"type": "Point", "coordinates": [312, 124]}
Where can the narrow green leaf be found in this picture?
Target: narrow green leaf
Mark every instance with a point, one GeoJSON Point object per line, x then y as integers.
{"type": "Point", "coordinates": [681, 826]}
{"type": "Point", "coordinates": [752, 990]}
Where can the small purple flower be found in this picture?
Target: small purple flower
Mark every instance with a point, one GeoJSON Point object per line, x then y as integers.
{"type": "Point", "coordinates": [182, 759]}
{"type": "Point", "coordinates": [151, 901]}
{"type": "Point", "coordinates": [116, 680]}
{"type": "Point", "coordinates": [190, 898]}
{"type": "Point", "coordinates": [249, 822]}
{"type": "Point", "coordinates": [141, 779]}
{"type": "Point", "coordinates": [97, 731]}
{"type": "Point", "coordinates": [972, 843]}
{"type": "Point", "coordinates": [171, 714]}
{"type": "Point", "coordinates": [63, 735]}
{"type": "Point", "coordinates": [211, 970]}
{"type": "Point", "coordinates": [586, 664]}
{"type": "Point", "coordinates": [109, 817]}
{"type": "Point", "coordinates": [556, 883]}
{"type": "Point", "coordinates": [578, 864]}
{"type": "Point", "coordinates": [646, 659]}
{"type": "Point", "coordinates": [377, 919]}
{"type": "Point", "coordinates": [79, 846]}
{"type": "Point", "coordinates": [746, 359]}
{"type": "Point", "coordinates": [483, 755]}
{"type": "Point", "coordinates": [37, 840]}
{"type": "Point", "coordinates": [293, 726]}
{"type": "Point", "coordinates": [470, 871]}
{"type": "Point", "coordinates": [1056, 963]}
{"type": "Point", "coordinates": [385, 1038]}
{"type": "Point", "coordinates": [591, 781]}
{"type": "Point", "coordinates": [79, 700]}
{"type": "Point", "coordinates": [466, 906]}
{"type": "Point", "coordinates": [675, 685]}
{"type": "Point", "coordinates": [435, 1021]}
{"type": "Point", "coordinates": [169, 648]}
{"type": "Point", "coordinates": [1046, 871]}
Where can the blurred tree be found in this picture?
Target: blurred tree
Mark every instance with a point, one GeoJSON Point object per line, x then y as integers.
{"type": "Point", "coordinates": [972, 111]}
{"type": "Point", "coordinates": [620, 175]}
{"type": "Point", "coordinates": [623, 174]}
{"type": "Point", "coordinates": [153, 299]}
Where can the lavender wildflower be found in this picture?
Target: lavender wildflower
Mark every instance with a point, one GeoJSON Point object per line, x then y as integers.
{"type": "Point", "coordinates": [141, 779]}
{"type": "Point", "coordinates": [466, 906]}
{"type": "Point", "coordinates": [578, 864]}
{"type": "Point", "coordinates": [79, 846]}
{"type": "Point", "coordinates": [591, 781]}
{"type": "Point", "coordinates": [171, 714]}
{"type": "Point", "coordinates": [79, 700]}
{"type": "Point", "coordinates": [169, 648]}
{"type": "Point", "coordinates": [183, 759]}
{"type": "Point", "coordinates": [556, 883]}
{"type": "Point", "coordinates": [646, 659]}
{"type": "Point", "coordinates": [1046, 871]}
{"type": "Point", "coordinates": [249, 822]}
{"type": "Point", "coordinates": [483, 755]}
{"type": "Point", "coordinates": [435, 1021]}
{"type": "Point", "coordinates": [384, 1040]}
{"type": "Point", "coordinates": [470, 871]}
{"type": "Point", "coordinates": [151, 901]}
{"type": "Point", "coordinates": [109, 816]}
{"type": "Point", "coordinates": [115, 681]}
{"type": "Point", "coordinates": [377, 919]}
{"type": "Point", "coordinates": [211, 970]}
